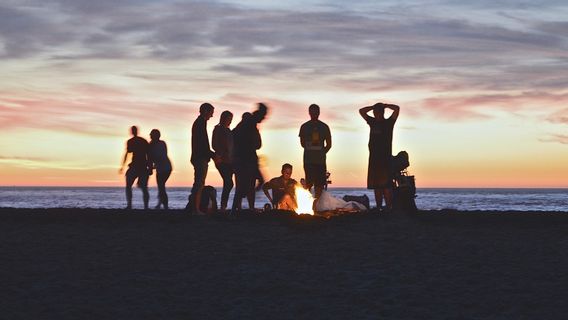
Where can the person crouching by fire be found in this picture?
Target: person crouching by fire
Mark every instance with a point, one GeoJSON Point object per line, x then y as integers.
{"type": "Point", "coordinates": [283, 189]}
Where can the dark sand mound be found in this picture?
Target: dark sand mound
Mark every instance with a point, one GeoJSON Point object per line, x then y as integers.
{"type": "Point", "coordinates": [87, 264]}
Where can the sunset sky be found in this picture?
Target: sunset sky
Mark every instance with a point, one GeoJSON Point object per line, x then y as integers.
{"type": "Point", "coordinates": [482, 86]}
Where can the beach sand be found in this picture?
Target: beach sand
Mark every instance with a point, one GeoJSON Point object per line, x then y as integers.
{"type": "Point", "coordinates": [108, 264]}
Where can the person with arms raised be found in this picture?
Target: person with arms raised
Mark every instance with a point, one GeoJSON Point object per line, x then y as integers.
{"type": "Point", "coordinates": [379, 175]}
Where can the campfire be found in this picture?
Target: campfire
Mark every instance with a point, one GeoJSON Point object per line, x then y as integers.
{"type": "Point", "coordinates": [304, 201]}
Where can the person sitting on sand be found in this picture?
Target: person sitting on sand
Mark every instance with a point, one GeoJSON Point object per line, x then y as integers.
{"type": "Point", "coordinates": [282, 189]}
{"type": "Point", "coordinates": [208, 202]}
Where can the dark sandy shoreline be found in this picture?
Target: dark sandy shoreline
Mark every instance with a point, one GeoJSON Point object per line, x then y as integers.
{"type": "Point", "coordinates": [95, 263]}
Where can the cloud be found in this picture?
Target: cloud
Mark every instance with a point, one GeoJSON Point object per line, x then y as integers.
{"type": "Point", "coordinates": [559, 28]}
{"type": "Point", "coordinates": [556, 138]}
{"type": "Point", "coordinates": [314, 39]}
{"type": "Point", "coordinates": [225, 47]}
{"type": "Point", "coordinates": [28, 31]}
{"type": "Point", "coordinates": [560, 117]}
{"type": "Point", "coordinates": [282, 114]}
{"type": "Point", "coordinates": [480, 107]}
{"type": "Point", "coordinates": [45, 163]}
{"type": "Point", "coordinates": [90, 109]}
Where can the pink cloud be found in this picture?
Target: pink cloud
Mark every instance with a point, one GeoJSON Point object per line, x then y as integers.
{"type": "Point", "coordinates": [95, 90]}
{"type": "Point", "coordinates": [480, 106]}
{"type": "Point", "coordinates": [96, 114]}
{"type": "Point", "coordinates": [282, 114]}
{"type": "Point", "coordinates": [560, 117]}
{"type": "Point", "coordinates": [558, 138]}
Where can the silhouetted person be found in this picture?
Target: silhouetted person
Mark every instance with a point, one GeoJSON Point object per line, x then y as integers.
{"type": "Point", "coordinates": [139, 167]}
{"type": "Point", "coordinates": [259, 177]}
{"type": "Point", "coordinates": [246, 141]}
{"type": "Point", "coordinates": [283, 189]}
{"type": "Point", "coordinates": [208, 203]}
{"type": "Point", "coordinates": [223, 145]}
{"type": "Point", "coordinates": [200, 154]}
{"type": "Point", "coordinates": [315, 138]}
{"type": "Point", "coordinates": [158, 156]}
{"type": "Point", "coordinates": [379, 176]}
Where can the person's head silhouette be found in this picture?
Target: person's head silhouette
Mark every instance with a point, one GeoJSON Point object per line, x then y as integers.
{"type": "Point", "coordinates": [286, 171]}
{"type": "Point", "coordinates": [379, 111]}
{"type": "Point", "coordinates": [134, 130]}
{"type": "Point", "coordinates": [206, 110]}
{"type": "Point", "coordinates": [155, 135]}
{"type": "Point", "coordinates": [260, 114]}
{"type": "Point", "coordinates": [314, 111]}
{"type": "Point", "coordinates": [226, 118]}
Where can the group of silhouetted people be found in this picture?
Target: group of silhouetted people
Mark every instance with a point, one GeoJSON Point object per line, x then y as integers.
{"type": "Point", "coordinates": [234, 154]}
{"type": "Point", "coordinates": [147, 157]}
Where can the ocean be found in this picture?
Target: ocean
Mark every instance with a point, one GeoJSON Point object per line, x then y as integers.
{"type": "Point", "coordinates": [427, 198]}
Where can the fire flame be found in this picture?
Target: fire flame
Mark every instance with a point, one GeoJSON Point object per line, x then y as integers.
{"type": "Point", "coordinates": [304, 201]}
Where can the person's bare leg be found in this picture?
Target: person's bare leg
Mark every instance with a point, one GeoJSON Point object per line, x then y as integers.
{"type": "Point", "coordinates": [379, 198]}
{"type": "Point", "coordinates": [287, 203]}
{"type": "Point", "coordinates": [388, 198]}
{"type": "Point", "coordinates": [251, 198]}
{"type": "Point", "coordinates": [197, 201]}
{"type": "Point", "coordinates": [237, 202]}
{"type": "Point", "coordinates": [145, 196]}
{"type": "Point", "coordinates": [318, 190]}
{"type": "Point", "coordinates": [128, 196]}
{"type": "Point", "coordinates": [129, 183]}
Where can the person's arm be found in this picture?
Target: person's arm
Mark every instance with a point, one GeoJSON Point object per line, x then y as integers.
{"type": "Point", "coordinates": [327, 141]}
{"type": "Point", "coordinates": [266, 187]}
{"type": "Point", "coordinates": [120, 170]}
{"type": "Point", "coordinates": [364, 112]}
{"type": "Point", "coordinates": [149, 161]}
{"type": "Point", "coordinates": [216, 140]}
{"type": "Point", "coordinates": [258, 138]}
{"type": "Point", "coordinates": [395, 109]}
{"type": "Point", "coordinates": [204, 150]}
{"type": "Point", "coordinates": [165, 149]}
{"type": "Point", "coordinates": [302, 137]}
{"type": "Point", "coordinates": [219, 144]}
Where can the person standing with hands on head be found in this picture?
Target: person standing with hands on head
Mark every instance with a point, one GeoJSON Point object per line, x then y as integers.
{"type": "Point", "coordinates": [379, 176]}
{"type": "Point", "coordinates": [315, 138]}
{"type": "Point", "coordinates": [222, 142]}
{"type": "Point", "coordinates": [200, 155]}
{"type": "Point", "coordinates": [158, 157]}
{"type": "Point", "coordinates": [139, 168]}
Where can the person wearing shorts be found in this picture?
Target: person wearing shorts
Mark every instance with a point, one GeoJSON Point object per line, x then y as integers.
{"type": "Point", "coordinates": [315, 138]}
{"type": "Point", "coordinates": [139, 168]}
